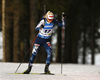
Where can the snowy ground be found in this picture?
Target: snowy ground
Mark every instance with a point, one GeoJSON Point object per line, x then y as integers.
{"type": "Point", "coordinates": [70, 72]}
{"type": "Point", "coordinates": [1, 50]}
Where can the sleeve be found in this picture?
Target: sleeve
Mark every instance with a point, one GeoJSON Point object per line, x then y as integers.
{"type": "Point", "coordinates": [59, 23]}
{"type": "Point", "coordinates": [39, 25]}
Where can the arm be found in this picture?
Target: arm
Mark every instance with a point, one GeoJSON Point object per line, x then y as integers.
{"type": "Point", "coordinates": [63, 20]}
{"type": "Point", "coordinates": [59, 23]}
{"type": "Point", "coordinates": [40, 24]}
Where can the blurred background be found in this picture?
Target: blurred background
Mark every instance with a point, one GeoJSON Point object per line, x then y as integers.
{"type": "Point", "coordinates": [18, 19]}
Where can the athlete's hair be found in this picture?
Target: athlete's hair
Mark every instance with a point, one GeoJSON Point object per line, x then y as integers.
{"type": "Point", "coordinates": [49, 13]}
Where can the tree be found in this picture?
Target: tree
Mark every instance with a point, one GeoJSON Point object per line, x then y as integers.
{"type": "Point", "coordinates": [16, 38]}
{"type": "Point", "coordinates": [3, 28]}
{"type": "Point", "coordinates": [8, 32]}
{"type": "Point", "coordinates": [93, 35]}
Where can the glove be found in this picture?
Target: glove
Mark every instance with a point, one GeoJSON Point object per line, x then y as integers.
{"type": "Point", "coordinates": [42, 26]}
{"type": "Point", "coordinates": [63, 14]}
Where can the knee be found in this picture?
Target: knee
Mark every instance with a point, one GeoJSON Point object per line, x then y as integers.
{"type": "Point", "coordinates": [35, 49]}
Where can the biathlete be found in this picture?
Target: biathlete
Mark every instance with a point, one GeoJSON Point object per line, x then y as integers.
{"type": "Point", "coordinates": [45, 28]}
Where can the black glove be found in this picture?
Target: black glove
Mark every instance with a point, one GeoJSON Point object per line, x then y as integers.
{"type": "Point", "coordinates": [63, 14]}
{"type": "Point", "coordinates": [42, 26]}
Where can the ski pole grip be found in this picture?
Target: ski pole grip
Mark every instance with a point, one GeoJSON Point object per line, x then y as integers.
{"type": "Point", "coordinates": [63, 14]}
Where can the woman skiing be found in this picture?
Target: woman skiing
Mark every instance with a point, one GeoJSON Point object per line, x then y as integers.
{"type": "Point", "coordinates": [45, 28]}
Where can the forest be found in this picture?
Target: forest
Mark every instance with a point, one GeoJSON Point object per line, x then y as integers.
{"type": "Point", "coordinates": [18, 19]}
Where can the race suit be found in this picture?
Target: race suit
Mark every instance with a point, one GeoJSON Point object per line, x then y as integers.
{"type": "Point", "coordinates": [45, 30]}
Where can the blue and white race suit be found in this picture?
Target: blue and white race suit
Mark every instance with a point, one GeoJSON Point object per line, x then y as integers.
{"type": "Point", "coordinates": [43, 38]}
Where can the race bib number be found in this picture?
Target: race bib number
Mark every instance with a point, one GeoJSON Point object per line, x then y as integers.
{"type": "Point", "coordinates": [46, 31]}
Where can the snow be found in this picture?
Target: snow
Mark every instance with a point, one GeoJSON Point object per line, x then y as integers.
{"type": "Point", "coordinates": [1, 49]}
{"type": "Point", "coordinates": [70, 72]}
{"type": "Point", "coordinates": [97, 59]}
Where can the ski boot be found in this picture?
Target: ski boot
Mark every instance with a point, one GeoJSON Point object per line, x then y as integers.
{"type": "Point", "coordinates": [46, 71]}
{"type": "Point", "coordinates": [28, 70]}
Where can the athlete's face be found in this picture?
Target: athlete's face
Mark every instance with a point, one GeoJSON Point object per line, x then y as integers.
{"type": "Point", "coordinates": [49, 20]}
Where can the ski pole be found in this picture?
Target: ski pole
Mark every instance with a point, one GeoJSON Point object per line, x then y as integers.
{"type": "Point", "coordinates": [26, 54]}
{"type": "Point", "coordinates": [44, 8]}
{"type": "Point", "coordinates": [63, 37]}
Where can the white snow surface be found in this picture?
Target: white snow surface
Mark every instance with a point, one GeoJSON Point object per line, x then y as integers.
{"type": "Point", "coordinates": [1, 49]}
{"type": "Point", "coordinates": [69, 72]}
